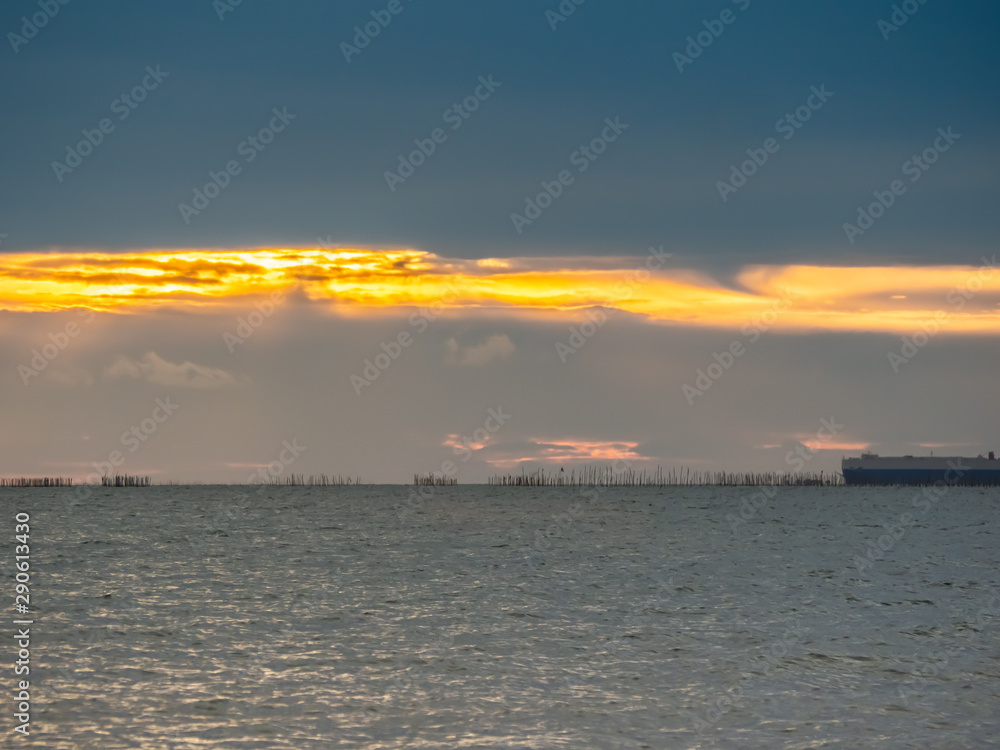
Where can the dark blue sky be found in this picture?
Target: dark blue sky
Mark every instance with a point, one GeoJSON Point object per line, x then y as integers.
{"type": "Point", "coordinates": [324, 174]}
{"type": "Point", "coordinates": [658, 182]}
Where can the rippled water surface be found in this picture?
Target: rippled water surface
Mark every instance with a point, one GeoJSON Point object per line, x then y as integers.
{"type": "Point", "coordinates": [476, 617]}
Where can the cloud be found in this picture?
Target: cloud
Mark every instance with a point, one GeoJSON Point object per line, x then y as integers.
{"type": "Point", "coordinates": [495, 347]}
{"type": "Point", "coordinates": [803, 298]}
{"type": "Point", "coordinates": [548, 453]}
{"type": "Point", "coordinates": [155, 369]}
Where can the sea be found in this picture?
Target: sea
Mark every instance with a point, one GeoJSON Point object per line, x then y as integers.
{"type": "Point", "coordinates": [377, 617]}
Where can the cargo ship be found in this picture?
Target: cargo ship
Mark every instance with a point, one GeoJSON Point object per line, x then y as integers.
{"type": "Point", "coordinates": [921, 470]}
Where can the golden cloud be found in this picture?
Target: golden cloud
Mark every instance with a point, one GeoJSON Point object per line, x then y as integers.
{"type": "Point", "coordinates": [964, 299]}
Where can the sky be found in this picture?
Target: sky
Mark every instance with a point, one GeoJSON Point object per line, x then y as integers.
{"type": "Point", "coordinates": [240, 240]}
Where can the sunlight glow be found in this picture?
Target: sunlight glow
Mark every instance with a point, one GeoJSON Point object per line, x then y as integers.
{"type": "Point", "coordinates": [964, 299]}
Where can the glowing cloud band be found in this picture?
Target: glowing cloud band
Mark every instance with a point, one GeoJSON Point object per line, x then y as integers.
{"type": "Point", "coordinates": [964, 299]}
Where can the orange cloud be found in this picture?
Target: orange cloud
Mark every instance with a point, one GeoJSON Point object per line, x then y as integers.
{"type": "Point", "coordinates": [827, 445]}
{"type": "Point", "coordinates": [570, 451]}
{"type": "Point", "coordinates": [965, 299]}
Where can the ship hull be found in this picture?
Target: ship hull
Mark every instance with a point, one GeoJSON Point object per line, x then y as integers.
{"type": "Point", "coordinates": [871, 469]}
{"type": "Point", "coordinates": [918, 477]}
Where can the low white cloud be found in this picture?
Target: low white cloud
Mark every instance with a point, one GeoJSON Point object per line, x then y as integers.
{"type": "Point", "coordinates": [155, 369]}
{"type": "Point", "coordinates": [495, 347]}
